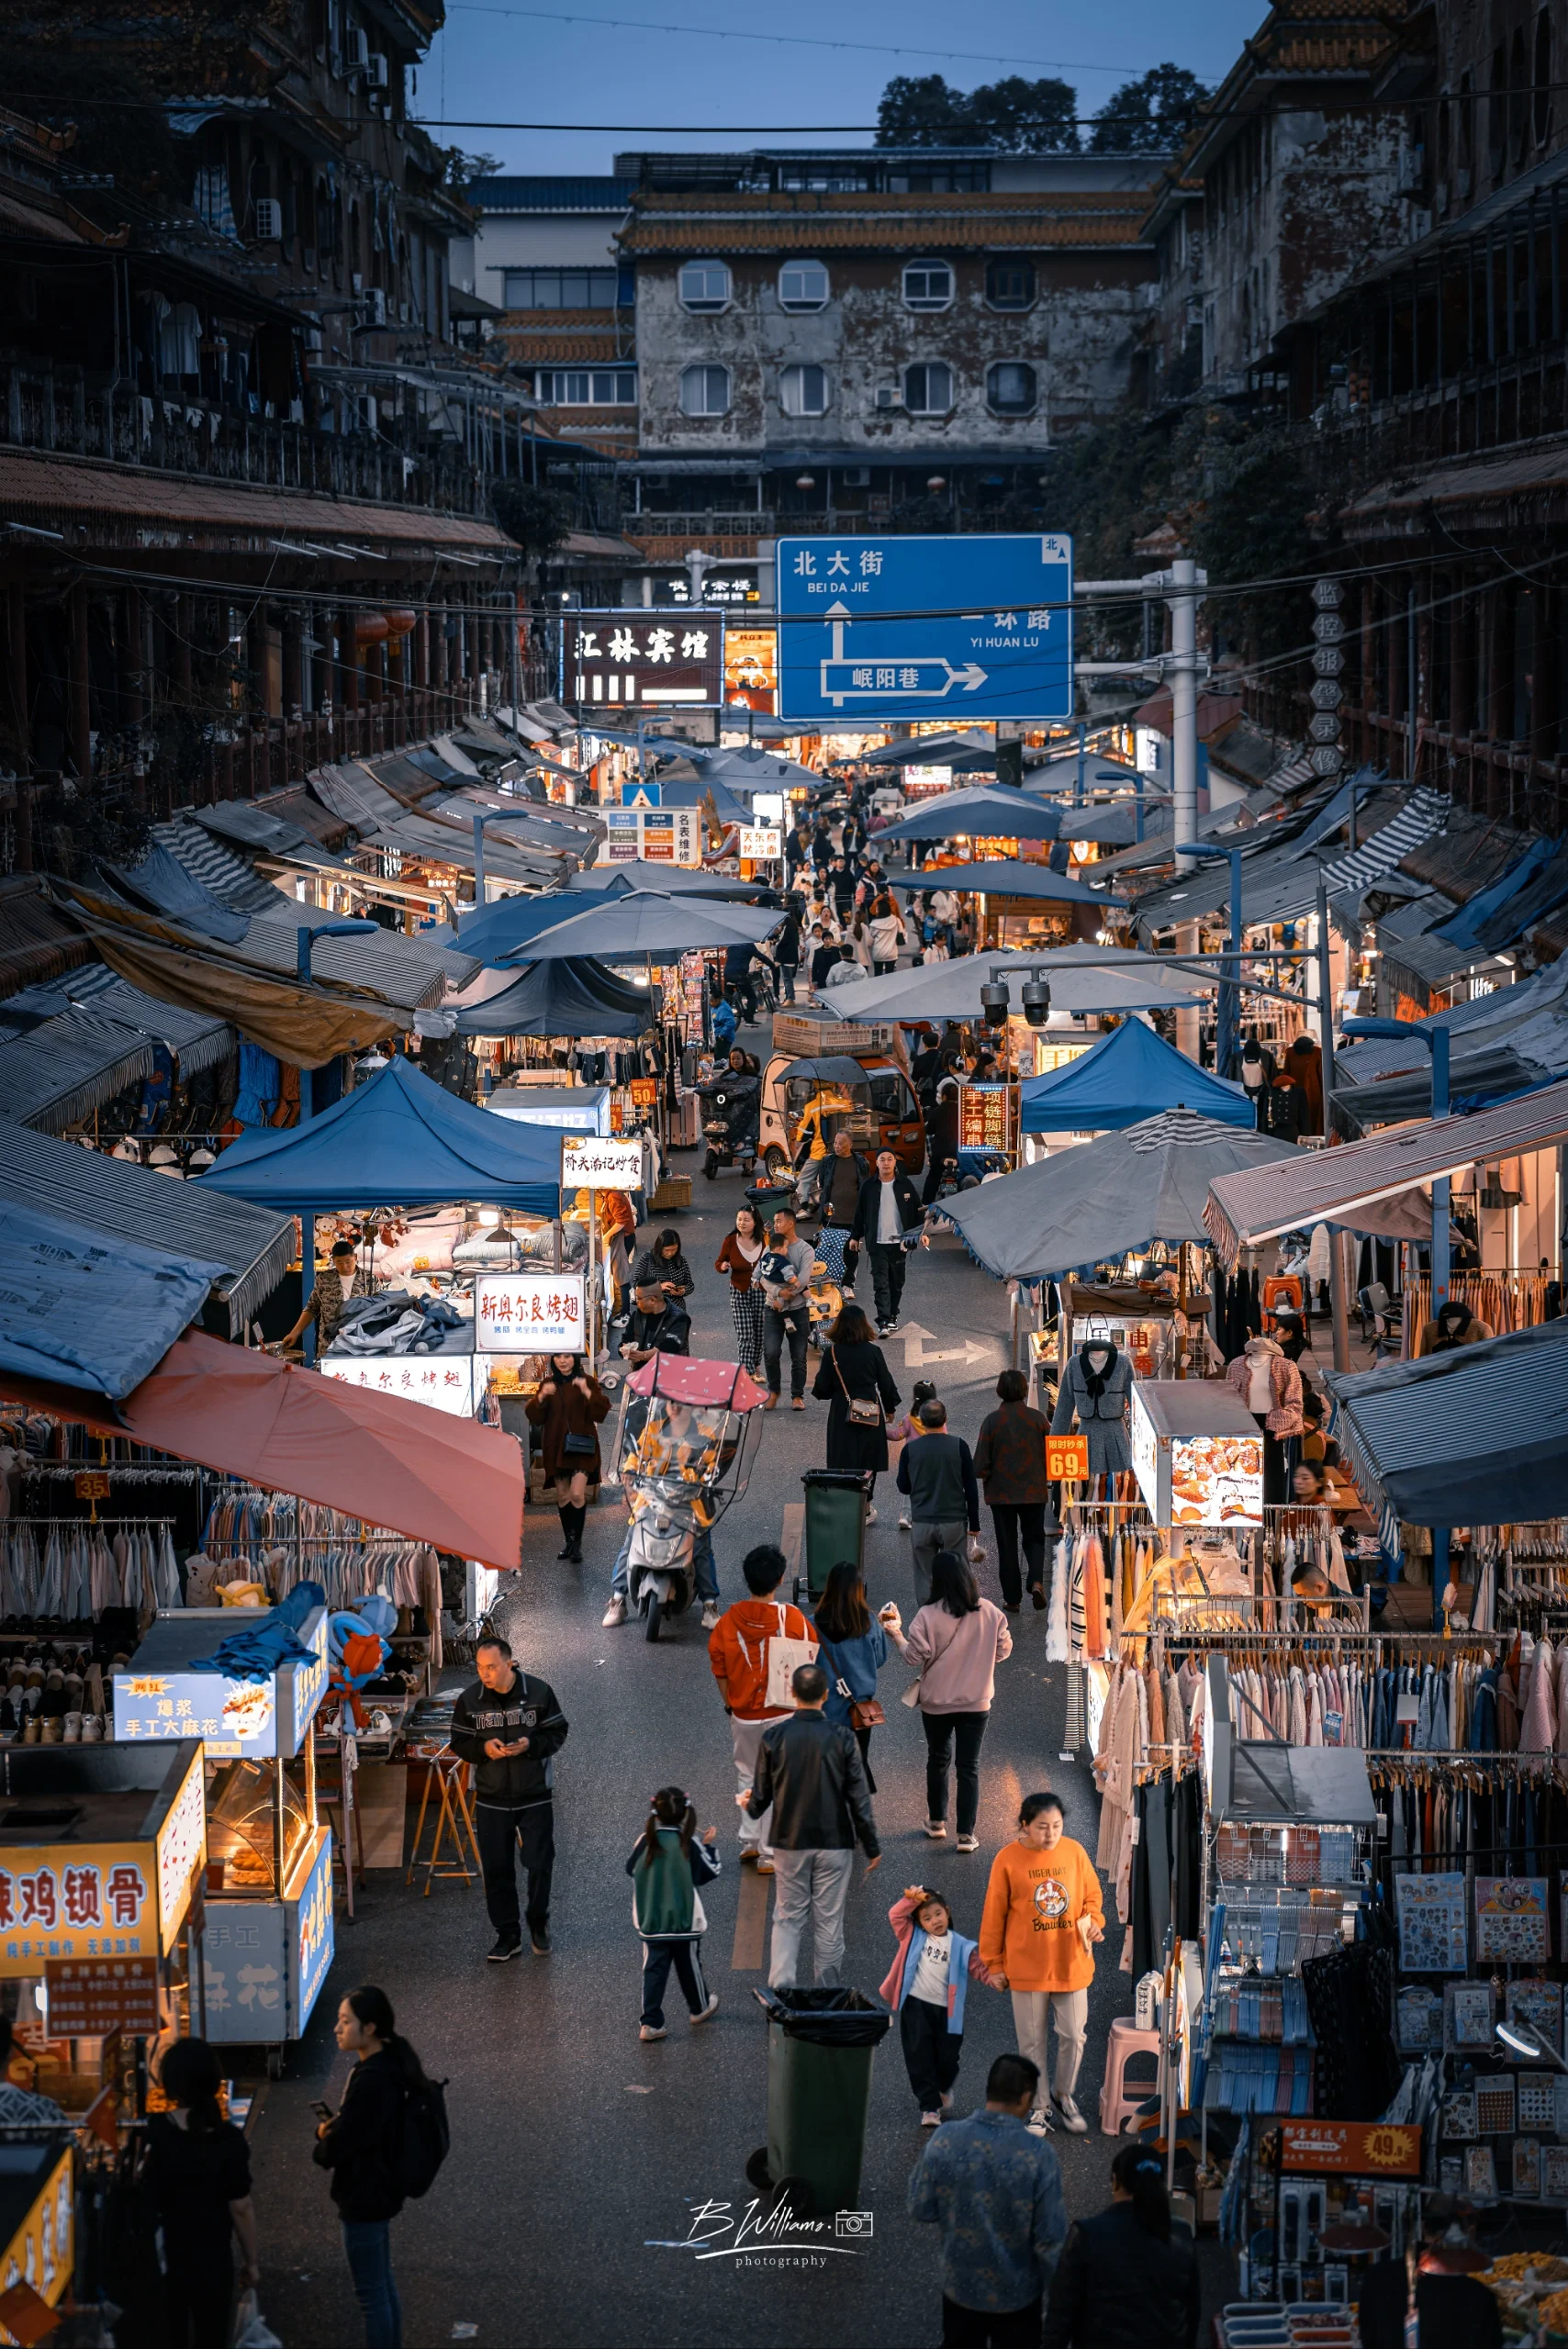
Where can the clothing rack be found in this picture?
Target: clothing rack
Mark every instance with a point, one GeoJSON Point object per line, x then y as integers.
{"type": "Point", "coordinates": [73, 1571]}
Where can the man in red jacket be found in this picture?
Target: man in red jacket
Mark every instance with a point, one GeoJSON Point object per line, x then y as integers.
{"type": "Point", "coordinates": [737, 1649]}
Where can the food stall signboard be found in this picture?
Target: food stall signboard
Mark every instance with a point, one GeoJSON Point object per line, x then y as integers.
{"type": "Point", "coordinates": [751, 668]}
{"type": "Point", "coordinates": [985, 1117]}
{"type": "Point", "coordinates": [41, 2255]}
{"type": "Point", "coordinates": [654, 835]}
{"type": "Point", "coordinates": [159, 1696]}
{"type": "Point", "coordinates": [594, 1163]}
{"type": "Point", "coordinates": [90, 1997]}
{"type": "Point", "coordinates": [761, 842]}
{"type": "Point", "coordinates": [444, 1382]}
{"type": "Point", "coordinates": [1066, 1456]}
{"type": "Point", "coordinates": [1350, 2148]}
{"type": "Point", "coordinates": [529, 1313]}
{"type": "Point", "coordinates": [1197, 1453]}
{"type": "Point", "coordinates": [666, 660]}
{"type": "Point", "coordinates": [113, 1892]}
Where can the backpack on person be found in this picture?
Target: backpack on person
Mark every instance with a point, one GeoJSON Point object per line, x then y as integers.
{"type": "Point", "coordinates": [427, 2137]}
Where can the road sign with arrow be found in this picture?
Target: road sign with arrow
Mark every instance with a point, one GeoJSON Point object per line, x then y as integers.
{"type": "Point", "coordinates": [918, 1351]}
{"type": "Point", "coordinates": [886, 628]}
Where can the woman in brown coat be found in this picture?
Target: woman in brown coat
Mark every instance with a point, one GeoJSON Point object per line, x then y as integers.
{"type": "Point", "coordinates": [568, 1407]}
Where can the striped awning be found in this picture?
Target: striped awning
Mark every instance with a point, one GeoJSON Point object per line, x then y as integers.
{"type": "Point", "coordinates": [1260, 1202]}
{"type": "Point", "coordinates": [1478, 1436]}
{"type": "Point", "coordinates": [1423, 814]}
{"type": "Point", "coordinates": [66, 1068]}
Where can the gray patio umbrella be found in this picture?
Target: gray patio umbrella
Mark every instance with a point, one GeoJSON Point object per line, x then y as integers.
{"type": "Point", "coordinates": [994, 812]}
{"type": "Point", "coordinates": [1082, 978]}
{"type": "Point", "coordinates": [665, 881]}
{"type": "Point", "coordinates": [646, 926]}
{"type": "Point", "coordinates": [1087, 1204]}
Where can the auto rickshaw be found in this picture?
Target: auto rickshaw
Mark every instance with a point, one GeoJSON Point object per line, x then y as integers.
{"type": "Point", "coordinates": [870, 1097]}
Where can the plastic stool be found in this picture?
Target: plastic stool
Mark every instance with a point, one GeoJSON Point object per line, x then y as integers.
{"type": "Point", "coordinates": [1119, 2098]}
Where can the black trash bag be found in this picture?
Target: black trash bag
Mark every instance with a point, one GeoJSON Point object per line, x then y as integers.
{"type": "Point", "coordinates": [828, 2018]}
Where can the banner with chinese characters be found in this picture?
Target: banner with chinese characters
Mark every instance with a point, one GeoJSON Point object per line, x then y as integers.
{"type": "Point", "coordinates": [444, 1381]}
{"type": "Point", "coordinates": [74, 1900]}
{"type": "Point", "coordinates": [589, 1162]}
{"type": "Point", "coordinates": [657, 660]}
{"type": "Point", "coordinates": [529, 1313]}
{"type": "Point", "coordinates": [985, 1117]}
{"type": "Point", "coordinates": [41, 2253]}
{"type": "Point", "coordinates": [751, 668]}
{"type": "Point", "coordinates": [762, 843]}
{"type": "Point", "coordinates": [656, 835]}
{"type": "Point", "coordinates": [90, 1997]}
{"type": "Point", "coordinates": [1350, 2148]}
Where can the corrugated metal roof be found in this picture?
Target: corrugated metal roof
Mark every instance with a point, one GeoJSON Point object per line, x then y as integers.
{"type": "Point", "coordinates": [1244, 1209]}
{"type": "Point", "coordinates": [218, 868]}
{"type": "Point", "coordinates": [133, 1204]}
{"type": "Point", "coordinates": [504, 192]}
{"type": "Point", "coordinates": [800, 220]}
{"type": "Point", "coordinates": [142, 507]}
{"type": "Point", "coordinates": [66, 1068]}
{"type": "Point", "coordinates": [37, 942]}
{"type": "Point", "coordinates": [1467, 855]}
{"type": "Point", "coordinates": [1473, 483]}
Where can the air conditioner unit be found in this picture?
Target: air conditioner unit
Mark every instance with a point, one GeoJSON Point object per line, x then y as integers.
{"type": "Point", "coordinates": [376, 306]}
{"type": "Point", "coordinates": [268, 213]}
{"type": "Point", "coordinates": [888, 396]}
{"type": "Point", "coordinates": [356, 49]}
{"type": "Point", "coordinates": [856, 477]}
{"type": "Point", "coordinates": [377, 74]}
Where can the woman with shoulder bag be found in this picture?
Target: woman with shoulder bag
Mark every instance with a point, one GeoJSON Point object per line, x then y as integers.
{"type": "Point", "coordinates": [955, 1641]}
{"type": "Point", "coordinates": [569, 1405]}
{"type": "Point", "coordinates": [854, 1382]}
{"type": "Point", "coordinates": [852, 1648]}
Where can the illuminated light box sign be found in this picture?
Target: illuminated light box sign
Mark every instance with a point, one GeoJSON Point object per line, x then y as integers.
{"type": "Point", "coordinates": [529, 1313]}
{"type": "Point", "coordinates": [663, 660]}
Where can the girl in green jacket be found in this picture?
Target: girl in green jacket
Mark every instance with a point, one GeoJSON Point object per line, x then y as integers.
{"type": "Point", "coordinates": [667, 1865]}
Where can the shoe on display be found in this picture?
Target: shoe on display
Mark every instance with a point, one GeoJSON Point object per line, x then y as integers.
{"type": "Point", "coordinates": [709, 1615]}
{"type": "Point", "coordinates": [705, 2014]}
{"type": "Point", "coordinates": [73, 1728]}
{"type": "Point", "coordinates": [1071, 2119]}
{"type": "Point", "coordinates": [504, 1948]}
{"type": "Point", "coordinates": [538, 1935]}
{"type": "Point", "coordinates": [1039, 2122]}
{"type": "Point", "coordinates": [614, 1613]}
{"type": "Point", "coordinates": [935, 1828]}
{"type": "Point", "coordinates": [652, 2031]}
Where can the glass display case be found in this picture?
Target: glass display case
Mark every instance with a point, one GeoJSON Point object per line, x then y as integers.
{"type": "Point", "coordinates": [247, 1802]}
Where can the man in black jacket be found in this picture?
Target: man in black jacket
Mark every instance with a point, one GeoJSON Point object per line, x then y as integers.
{"type": "Point", "coordinates": [656, 1324]}
{"type": "Point", "coordinates": [890, 1207]}
{"type": "Point", "coordinates": [809, 1770]}
{"type": "Point", "coordinates": [509, 1724]}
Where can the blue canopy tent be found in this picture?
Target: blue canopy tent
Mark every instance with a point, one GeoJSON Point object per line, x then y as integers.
{"type": "Point", "coordinates": [1128, 1075]}
{"type": "Point", "coordinates": [1477, 1437]}
{"type": "Point", "coordinates": [1000, 813]}
{"type": "Point", "coordinates": [999, 876]}
{"type": "Point", "coordinates": [400, 1141]}
{"type": "Point", "coordinates": [565, 999]}
{"type": "Point", "coordinates": [509, 924]}
{"type": "Point", "coordinates": [82, 1310]}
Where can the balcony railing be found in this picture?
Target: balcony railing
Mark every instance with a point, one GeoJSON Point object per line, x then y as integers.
{"type": "Point", "coordinates": [67, 412]}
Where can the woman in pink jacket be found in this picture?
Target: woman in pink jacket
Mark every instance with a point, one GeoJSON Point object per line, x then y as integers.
{"type": "Point", "coordinates": [955, 1642]}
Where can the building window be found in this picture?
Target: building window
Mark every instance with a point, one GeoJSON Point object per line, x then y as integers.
{"type": "Point", "coordinates": [803, 286]}
{"type": "Point", "coordinates": [1519, 95]}
{"type": "Point", "coordinates": [927, 285]}
{"type": "Point", "coordinates": [586, 386]}
{"type": "Point", "coordinates": [928, 389]}
{"type": "Point", "coordinates": [802, 391]}
{"type": "Point", "coordinates": [1010, 284]}
{"type": "Point", "coordinates": [705, 285]}
{"type": "Point", "coordinates": [560, 289]}
{"type": "Point", "coordinates": [1011, 389]}
{"type": "Point", "coordinates": [1543, 77]}
{"type": "Point", "coordinates": [705, 391]}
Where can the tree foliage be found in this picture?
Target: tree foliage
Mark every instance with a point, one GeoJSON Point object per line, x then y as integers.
{"type": "Point", "coordinates": [539, 519]}
{"type": "Point", "coordinates": [1149, 116]}
{"type": "Point", "coordinates": [1014, 115]}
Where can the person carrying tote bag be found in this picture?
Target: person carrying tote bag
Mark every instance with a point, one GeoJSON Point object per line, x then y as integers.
{"type": "Point", "coordinates": [854, 1382]}
{"type": "Point", "coordinates": [958, 1640]}
{"type": "Point", "coordinates": [853, 1650]}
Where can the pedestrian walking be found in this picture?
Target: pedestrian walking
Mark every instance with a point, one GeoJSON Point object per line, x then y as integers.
{"type": "Point", "coordinates": [854, 1381]}
{"type": "Point", "coordinates": [906, 1431]}
{"type": "Point", "coordinates": [199, 2167]}
{"type": "Point", "coordinates": [852, 1649]}
{"type": "Point", "coordinates": [889, 937]}
{"type": "Point", "coordinates": [937, 1475]}
{"type": "Point", "coordinates": [995, 2191]}
{"type": "Point", "coordinates": [785, 1269]}
{"type": "Point", "coordinates": [825, 956]}
{"type": "Point", "coordinates": [508, 1726]}
{"type": "Point", "coordinates": [839, 1183]}
{"type": "Point", "coordinates": [787, 953]}
{"type": "Point", "coordinates": [739, 1649]}
{"type": "Point", "coordinates": [887, 1221]}
{"type": "Point", "coordinates": [663, 1266]}
{"type": "Point", "coordinates": [1128, 2278]}
{"type": "Point", "coordinates": [568, 1408]}
{"type": "Point", "coordinates": [1010, 1462]}
{"type": "Point", "coordinates": [810, 1772]}
{"type": "Point", "coordinates": [1042, 1914]}
{"type": "Point", "coordinates": [738, 1257]}
{"type": "Point", "coordinates": [362, 2144]}
{"type": "Point", "coordinates": [955, 1643]}
{"type": "Point", "coordinates": [668, 1865]}
{"type": "Point", "coordinates": [928, 1985]}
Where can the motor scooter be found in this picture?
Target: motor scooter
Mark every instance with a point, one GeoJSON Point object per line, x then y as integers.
{"type": "Point", "coordinates": [688, 1432]}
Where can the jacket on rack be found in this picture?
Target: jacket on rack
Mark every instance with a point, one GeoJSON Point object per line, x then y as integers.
{"type": "Point", "coordinates": [1283, 1416]}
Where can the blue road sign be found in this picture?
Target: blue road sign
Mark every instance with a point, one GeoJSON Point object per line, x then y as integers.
{"type": "Point", "coordinates": [984, 627]}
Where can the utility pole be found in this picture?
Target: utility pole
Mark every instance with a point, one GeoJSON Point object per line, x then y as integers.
{"type": "Point", "coordinates": [1183, 668]}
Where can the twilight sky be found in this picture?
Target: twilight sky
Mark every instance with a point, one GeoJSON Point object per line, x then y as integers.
{"type": "Point", "coordinates": [554, 63]}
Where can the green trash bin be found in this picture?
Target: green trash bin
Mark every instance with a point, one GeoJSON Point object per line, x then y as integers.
{"type": "Point", "coordinates": [820, 2046]}
{"type": "Point", "coordinates": [834, 1527]}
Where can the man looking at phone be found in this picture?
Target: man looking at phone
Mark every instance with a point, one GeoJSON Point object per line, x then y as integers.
{"type": "Point", "coordinates": [509, 1724]}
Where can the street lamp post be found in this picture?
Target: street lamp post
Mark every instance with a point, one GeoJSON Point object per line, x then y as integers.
{"type": "Point", "coordinates": [1227, 1025]}
{"type": "Point", "coordinates": [305, 939]}
{"type": "Point", "coordinates": [1436, 1040]}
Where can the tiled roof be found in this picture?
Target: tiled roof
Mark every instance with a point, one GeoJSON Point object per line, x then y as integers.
{"type": "Point", "coordinates": [526, 344]}
{"type": "Point", "coordinates": [807, 220]}
{"type": "Point", "coordinates": [546, 194]}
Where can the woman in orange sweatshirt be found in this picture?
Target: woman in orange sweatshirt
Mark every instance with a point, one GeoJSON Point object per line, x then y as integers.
{"type": "Point", "coordinates": [1043, 1914]}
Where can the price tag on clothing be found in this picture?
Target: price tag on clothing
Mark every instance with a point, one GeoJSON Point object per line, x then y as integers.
{"type": "Point", "coordinates": [1066, 1456]}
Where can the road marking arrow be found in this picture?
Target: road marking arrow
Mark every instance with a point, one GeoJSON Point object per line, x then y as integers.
{"type": "Point", "coordinates": [916, 1356]}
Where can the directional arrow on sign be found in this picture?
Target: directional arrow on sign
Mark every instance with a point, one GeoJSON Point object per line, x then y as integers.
{"type": "Point", "coordinates": [916, 677]}
{"type": "Point", "coordinates": [916, 1354]}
